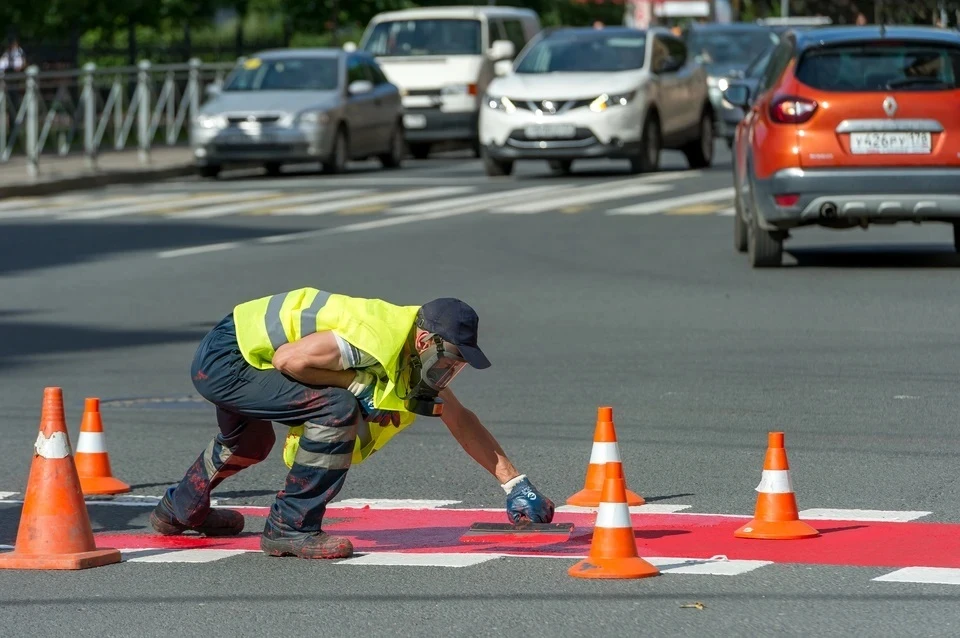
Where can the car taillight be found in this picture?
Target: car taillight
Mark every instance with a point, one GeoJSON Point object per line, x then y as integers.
{"type": "Point", "coordinates": [787, 200]}
{"type": "Point", "coordinates": [792, 110]}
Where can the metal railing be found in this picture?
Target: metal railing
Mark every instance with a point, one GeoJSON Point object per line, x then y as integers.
{"type": "Point", "coordinates": [85, 111]}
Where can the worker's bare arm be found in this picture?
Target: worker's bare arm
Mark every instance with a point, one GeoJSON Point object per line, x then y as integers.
{"type": "Point", "coordinates": [313, 360]}
{"type": "Point", "coordinates": [475, 439]}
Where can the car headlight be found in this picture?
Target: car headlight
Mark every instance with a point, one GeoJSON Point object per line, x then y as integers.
{"type": "Point", "coordinates": [719, 83]}
{"type": "Point", "coordinates": [607, 100]}
{"type": "Point", "coordinates": [313, 117]}
{"type": "Point", "coordinates": [211, 121]}
{"type": "Point", "coordinates": [500, 104]}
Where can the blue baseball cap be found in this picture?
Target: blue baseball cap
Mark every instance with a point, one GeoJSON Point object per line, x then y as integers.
{"type": "Point", "coordinates": [456, 322]}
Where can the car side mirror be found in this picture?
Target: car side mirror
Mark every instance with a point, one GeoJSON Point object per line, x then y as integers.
{"type": "Point", "coordinates": [502, 68]}
{"type": "Point", "coordinates": [738, 95]}
{"type": "Point", "coordinates": [502, 50]}
{"type": "Point", "coordinates": [359, 87]}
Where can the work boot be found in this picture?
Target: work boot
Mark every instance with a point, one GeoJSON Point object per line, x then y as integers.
{"type": "Point", "coordinates": [278, 540]}
{"type": "Point", "coordinates": [218, 522]}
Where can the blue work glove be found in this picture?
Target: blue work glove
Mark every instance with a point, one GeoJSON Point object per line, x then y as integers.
{"type": "Point", "coordinates": [525, 503]}
{"type": "Point", "coordinates": [363, 386]}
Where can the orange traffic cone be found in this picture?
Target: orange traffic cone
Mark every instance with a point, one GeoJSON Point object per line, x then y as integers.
{"type": "Point", "coordinates": [93, 462]}
{"type": "Point", "coordinates": [605, 451]}
{"type": "Point", "coordinates": [55, 530]}
{"type": "Point", "coordinates": [776, 514]}
{"type": "Point", "coordinates": [613, 550]}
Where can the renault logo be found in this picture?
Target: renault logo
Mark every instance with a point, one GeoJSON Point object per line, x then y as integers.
{"type": "Point", "coordinates": [890, 106]}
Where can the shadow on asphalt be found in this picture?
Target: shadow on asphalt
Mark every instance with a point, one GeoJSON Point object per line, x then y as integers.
{"type": "Point", "coordinates": [26, 247]}
{"type": "Point", "coordinates": [25, 339]}
{"type": "Point", "coordinates": [892, 256]}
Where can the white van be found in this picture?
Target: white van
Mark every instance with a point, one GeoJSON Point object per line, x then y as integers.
{"type": "Point", "coordinates": [443, 58]}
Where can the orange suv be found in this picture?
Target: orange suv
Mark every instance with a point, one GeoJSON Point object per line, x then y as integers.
{"type": "Point", "coordinates": [849, 126]}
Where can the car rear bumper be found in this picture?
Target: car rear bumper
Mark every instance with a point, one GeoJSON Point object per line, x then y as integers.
{"type": "Point", "coordinates": [855, 195]}
{"type": "Point", "coordinates": [434, 125]}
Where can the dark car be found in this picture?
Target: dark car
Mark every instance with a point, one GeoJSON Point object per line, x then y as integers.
{"type": "Point", "coordinates": [725, 50]}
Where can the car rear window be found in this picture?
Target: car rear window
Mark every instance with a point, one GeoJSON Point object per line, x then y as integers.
{"type": "Point", "coordinates": [881, 67]}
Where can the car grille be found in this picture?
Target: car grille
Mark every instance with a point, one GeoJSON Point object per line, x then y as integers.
{"type": "Point", "coordinates": [582, 135]}
{"type": "Point", "coordinates": [260, 119]}
{"type": "Point", "coordinates": [550, 107]}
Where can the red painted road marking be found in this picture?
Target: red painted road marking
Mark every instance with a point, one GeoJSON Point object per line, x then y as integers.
{"type": "Point", "coordinates": [848, 543]}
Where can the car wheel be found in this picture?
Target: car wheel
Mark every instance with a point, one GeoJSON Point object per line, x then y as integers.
{"type": "Point", "coordinates": [648, 160]}
{"type": "Point", "coordinates": [739, 226]}
{"type": "Point", "coordinates": [420, 150]}
{"type": "Point", "coordinates": [561, 166]}
{"type": "Point", "coordinates": [495, 167]}
{"type": "Point", "coordinates": [764, 248]}
{"type": "Point", "coordinates": [956, 237]}
{"type": "Point", "coordinates": [337, 162]}
{"type": "Point", "coordinates": [209, 172]}
{"type": "Point", "coordinates": [700, 151]}
{"type": "Point", "coordinates": [394, 157]}
{"type": "Point", "coordinates": [272, 168]}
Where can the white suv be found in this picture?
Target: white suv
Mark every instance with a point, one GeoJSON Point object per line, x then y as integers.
{"type": "Point", "coordinates": [577, 93]}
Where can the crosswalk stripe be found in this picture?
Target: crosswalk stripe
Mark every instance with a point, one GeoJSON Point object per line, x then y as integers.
{"type": "Point", "coordinates": [579, 197]}
{"type": "Point", "coordinates": [274, 205]}
{"type": "Point", "coordinates": [378, 198]}
{"type": "Point", "coordinates": [706, 208]}
{"type": "Point", "coordinates": [658, 206]}
{"type": "Point", "coordinates": [138, 209]}
{"type": "Point", "coordinates": [471, 202]}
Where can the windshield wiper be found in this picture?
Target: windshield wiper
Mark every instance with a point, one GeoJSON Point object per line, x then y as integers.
{"type": "Point", "coordinates": [905, 82]}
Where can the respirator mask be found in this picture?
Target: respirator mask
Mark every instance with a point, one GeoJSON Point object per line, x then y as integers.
{"type": "Point", "coordinates": [428, 372]}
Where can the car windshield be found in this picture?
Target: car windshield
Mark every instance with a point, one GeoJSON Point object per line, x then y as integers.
{"type": "Point", "coordinates": [285, 74]}
{"type": "Point", "coordinates": [424, 37]}
{"type": "Point", "coordinates": [875, 67]}
{"type": "Point", "coordinates": [731, 46]}
{"type": "Point", "coordinates": [582, 53]}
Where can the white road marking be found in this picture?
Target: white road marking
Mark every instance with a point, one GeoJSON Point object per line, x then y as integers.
{"type": "Point", "coordinates": [6, 546]}
{"type": "Point", "coordinates": [420, 560]}
{"type": "Point", "coordinates": [179, 555]}
{"type": "Point", "coordinates": [717, 566]}
{"type": "Point", "coordinates": [196, 250]}
{"type": "Point", "coordinates": [374, 199]}
{"type": "Point", "coordinates": [905, 396]}
{"type": "Point", "coordinates": [6, 495]}
{"type": "Point", "coordinates": [646, 508]}
{"type": "Point", "coordinates": [275, 205]}
{"type": "Point", "coordinates": [925, 575]}
{"type": "Point", "coordinates": [727, 212]}
{"type": "Point", "coordinates": [470, 203]}
{"type": "Point", "coordinates": [889, 516]}
{"type": "Point", "coordinates": [393, 503]}
{"type": "Point", "coordinates": [658, 206]}
{"type": "Point", "coordinates": [583, 196]}
{"type": "Point", "coordinates": [172, 202]}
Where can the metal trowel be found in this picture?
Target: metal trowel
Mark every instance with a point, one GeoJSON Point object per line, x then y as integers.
{"type": "Point", "coordinates": [521, 533]}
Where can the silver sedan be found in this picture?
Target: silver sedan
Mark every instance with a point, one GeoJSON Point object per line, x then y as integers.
{"type": "Point", "coordinates": [300, 105]}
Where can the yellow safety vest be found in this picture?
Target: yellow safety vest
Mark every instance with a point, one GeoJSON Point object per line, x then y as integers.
{"type": "Point", "coordinates": [372, 325]}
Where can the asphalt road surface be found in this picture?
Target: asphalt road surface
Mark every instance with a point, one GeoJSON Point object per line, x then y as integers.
{"type": "Point", "coordinates": [596, 288]}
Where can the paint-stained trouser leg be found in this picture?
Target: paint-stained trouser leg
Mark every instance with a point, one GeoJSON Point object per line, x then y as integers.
{"type": "Point", "coordinates": [242, 442]}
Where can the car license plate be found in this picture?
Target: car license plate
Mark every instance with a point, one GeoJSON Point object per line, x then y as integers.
{"type": "Point", "coordinates": [550, 131]}
{"type": "Point", "coordinates": [906, 143]}
{"type": "Point", "coordinates": [415, 121]}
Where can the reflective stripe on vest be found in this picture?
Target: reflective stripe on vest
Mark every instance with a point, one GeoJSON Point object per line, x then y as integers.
{"type": "Point", "coordinates": [308, 318]}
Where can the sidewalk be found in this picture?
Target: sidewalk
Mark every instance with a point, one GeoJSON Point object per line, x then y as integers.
{"type": "Point", "coordinates": [60, 174]}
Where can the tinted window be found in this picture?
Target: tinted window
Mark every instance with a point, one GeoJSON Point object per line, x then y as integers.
{"type": "Point", "coordinates": [357, 70]}
{"type": "Point", "coordinates": [376, 72]}
{"type": "Point", "coordinates": [676, 48]}
{"type": "Point", "coordinates": [902, 67]}
{"type": "Point", "coordinates": [514, 32]}
{"type": "Point", "coordinates": [424, 37]}
{"type": "Point", "coordinates": [778, 62]}
{"type": "Point", "coordinates": [287, 74]}
{"type": "Point", "coordinates": [585, 52]}
{"type": "Point", "coordinates": [758, 66]}
{"type": "Point", "coordinates": [730, 46]}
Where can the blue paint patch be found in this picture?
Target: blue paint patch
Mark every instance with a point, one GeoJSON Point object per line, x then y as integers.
{"type": "Point", "coordinates": [187, 402]}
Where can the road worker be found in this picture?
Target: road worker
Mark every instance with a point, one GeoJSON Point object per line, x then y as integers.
{"type": "Point", "coordinates": [349, 373]}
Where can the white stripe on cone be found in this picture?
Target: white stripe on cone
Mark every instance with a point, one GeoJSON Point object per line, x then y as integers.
{"type": "Point", "coordinates": [91, 443]}
{"type": "Point", "coordinates": [55, 447]}
{"type": "Point", "coordinates": [604, 453]}
{"type": "Point", "coordinates": [775, 482]}
{"type": "Point", "coordinates": [613, 515]}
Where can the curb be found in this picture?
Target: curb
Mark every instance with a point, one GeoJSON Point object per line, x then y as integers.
{"type": "Point", "coordinates": [96, 180]}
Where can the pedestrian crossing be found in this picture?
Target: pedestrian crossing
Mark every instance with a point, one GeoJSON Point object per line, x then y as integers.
{"type": "Point", "coordinates": [657, 194]}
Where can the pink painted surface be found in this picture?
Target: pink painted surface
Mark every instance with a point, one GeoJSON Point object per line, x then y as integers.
{"type": "Point", "coordinates": [854, 543]}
